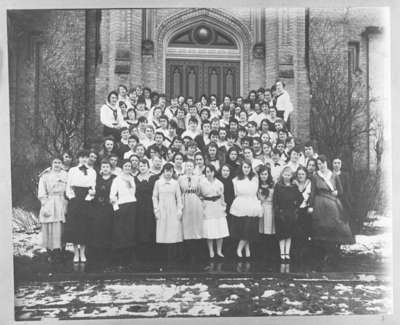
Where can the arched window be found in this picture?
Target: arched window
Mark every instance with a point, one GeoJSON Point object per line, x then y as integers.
{"type": "Point", "coordinates": [202, 35]}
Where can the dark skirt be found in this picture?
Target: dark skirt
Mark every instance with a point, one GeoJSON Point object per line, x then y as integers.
{"type": "Point", "coordinates": [123, 231]}
{"type": "Point", "coordinates": [244, 228]}
{"type": "Point", "coordinates": [328, 221]}
{"type": "Point", "coordinates": [286, 223]}
{"type": "Point", "coordinates": [145, 222]}
{"type": "Point", "coordinates": [77, 222]}
{"type": "Point", "coordinates": [101, 225]}
{"type": "Point", "coordinates": [303, 224]}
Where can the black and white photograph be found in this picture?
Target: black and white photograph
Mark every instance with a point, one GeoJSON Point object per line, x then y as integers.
{"type": "Point", "coordinates": [171, 162]}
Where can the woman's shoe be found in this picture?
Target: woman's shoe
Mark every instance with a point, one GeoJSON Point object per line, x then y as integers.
{"type": "Point", "coordinates": [287, 258]}
{"type": "Point", "coordinates": [220, 255]}
{"type": "Point", "coordinates": [76, 259]}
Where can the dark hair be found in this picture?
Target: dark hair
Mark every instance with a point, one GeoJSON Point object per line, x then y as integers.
{"type": "Point", "coordinates": [309, 144]}
{"type": "Point", "coordinates": [214, 132]}
{"type": "Point", "coordinates": [205, 122]}
{"type": "Point", "coordinates": [109, 138]}
{"type": "Point", "coordinates": [123, 129]}
{"type": "Point", "coordinates": [231, 135]}
{"type": "Point", "coordinates": [159, 133]}
{"type": "Point", "coordinates": [110, 94]}
{"type": "Point", "coordinates": [303, 169]}
{"type": "Point", "coordinates": [269, 182]}
{"type": "Point", "coordinates": [314, 160]}
{"type": "Point", "coordinates": [240, 175]}
{"type": "Point", "coordinates": [133, 155]}
{"type": "Point", "coordinates": [193, 120]}
{"type": "Point", "coordinates": [82, 153]}
{"type": "Point", "coordinates": [121, 104]}
{"type": "Point", "coordinates": [211, 167]}
{"type": "Point", "coordinates": [172, 124]}
{"type": "Point", "coordinates": [123, 86]}
{"type": "Point", "coordinates": [57, 157]}
{"type": "Point", "coordinates": [207, 111]}
{"type": "Point", "coordinates": [105, 161]}
{"type": "Point", "coordinates": [178, 154]}
{"type": "Point", "coordinates": [142, 119]}
{"type": "Point", "coordinates": [144, 161]}
{"type": "Point", "coordinates": [125, 161]}
{"type": "Point", "coordinates": [322, 158]}
{"type": "Point", "coordinates": [167, 167]}
{"type": "Point", "coordinates": [133, 136]}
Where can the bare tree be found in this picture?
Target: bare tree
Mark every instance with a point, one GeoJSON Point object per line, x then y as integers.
{"type": "Point", "coordinates": [339, 114]}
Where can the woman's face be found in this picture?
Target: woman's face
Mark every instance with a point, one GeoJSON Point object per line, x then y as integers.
{"type": "Point", "coordinates": [301, 175]}
{"type": "Point", "coordinates": [203, 101]}
{"type": "Point", "coordinates": [204, 115]}
{"type": "Point", "coordinates": [67, 159]}
{"type": "Point", "coordinates": [237, 110]}
{"type": "Point", "coordinates": [134, 162]}
{"type": "Point", "coordinates": [337, 164]}
{"type": "Point", "coordinates": [242, 117]}
{"type": "Point", "coordinates": [321, 165]}
{"type": "Point", "coordinates": [168, 174]}
{"type": "Point", "coordinates": [266, 149]}
{"type": "Point", "coordinates": [83, 160]}
{"type": "Point", "coordinates": [113, 99]}
{"type": "Point", "coordinates": [225, 172]}
{"type": "Point", "coordinates": [127, 167]}
{"type": "Point", "coordinates": [149, 133]}
{"type": "Point", "coordinates": [233, 155]}
{"type": "Point", "coordinates": [272, 112]}
{"type": "Point", "coordinates": [212, 151]}
{"type": "Point", "coordinates": [264, 176]}
{"type": "Point", "coordinates": [105, 169]}
{"type": "Point", "coordinates": [92, 158]}
{"type": "Point", "coordinates": [287, 175]}
{"type": "Point", "coordinates": [294, 157]}
{"type": "Point", "coordinates": [248, 154]}
{"type": "Point", "coordinates": [131, 115]}
{"type": "Point", "coordinates": [56, 165]}
{"type": "Point", "coordinates": [178, 160]}
{"type": "Point", "coordinates": [143, 168]}
{"type": "Point", "coordinates": [146, 94]}
{"type": "Point", "coordinates": [209, 173]}
{"type": "Point", "coordinates": [122, 91]}
{"type": "Point", "coordinates": [140, 151]}
{"type": "Point", "coordinates": [157, 113]}
{"type": "Point", "coordinates": [311, 168]}
{"type": "Point", "coordinates": [109, 145]}
{"type": "Point", "coordinates": [189, 168]}
{"type": "Point", "coordinates": [199, 161]}
{"type": "Point", "coordinates": [246, 169]}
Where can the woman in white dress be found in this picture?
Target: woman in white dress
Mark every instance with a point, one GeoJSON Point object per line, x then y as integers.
{"type": "Point", "coordinates": [167, 203]}
{"type": "Point", "coordinates": [52, 185]}
{"type": "Point", "coordinates": [215, 226]}
{"type": "Point", "coordinates": [265, 193]}
{"type": "Point", "coordinates": [245, 209]}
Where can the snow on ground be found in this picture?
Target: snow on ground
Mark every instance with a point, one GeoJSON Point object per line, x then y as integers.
{"type": "Point", "coordinates": [198, 297]}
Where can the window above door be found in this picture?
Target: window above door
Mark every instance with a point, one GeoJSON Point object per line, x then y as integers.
{"type": "Point", "coordinates": [203, 36]}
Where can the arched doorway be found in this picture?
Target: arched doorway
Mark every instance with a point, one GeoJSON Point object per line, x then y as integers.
{"type": "Point", "coordinates": [202, 59]}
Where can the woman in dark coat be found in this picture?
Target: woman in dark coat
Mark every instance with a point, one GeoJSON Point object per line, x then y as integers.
{"type": "Point", "coordinates": [286, 201]}
{"type": "Point", "coordinates": [233, 161]}
{"type": "Point", "coordinates": [101, 220]}
{"type": "Point", "coordinates": [225, 176]}
{"type": "Point", "coordinates": [145, 219]}
{"type": "Point", "coordinates": [347, 197]}
{"type": "Point", "coordinates": [329, 225]}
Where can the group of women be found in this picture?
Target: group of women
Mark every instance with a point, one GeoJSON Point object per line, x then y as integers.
{"type": "Point", "coordinates": [166, 194]}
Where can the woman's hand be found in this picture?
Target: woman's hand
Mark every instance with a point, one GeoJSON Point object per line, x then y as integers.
{"type": "Point", "coordinates": [335, 193]}
{"type": "Point", "coordinates": [92, 191]}
{"type": "Point", "coordinates": [310, 210]}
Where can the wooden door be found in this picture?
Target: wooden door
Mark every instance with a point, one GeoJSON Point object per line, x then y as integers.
{"type": "Point", "coordinates": [195, 77]}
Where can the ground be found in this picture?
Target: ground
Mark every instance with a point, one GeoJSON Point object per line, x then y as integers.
{"type": "Point", "coordinates": [357, 284]}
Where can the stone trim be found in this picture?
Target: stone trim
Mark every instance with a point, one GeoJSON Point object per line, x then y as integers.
{"type": "Point", "coordinates": [228, 23]}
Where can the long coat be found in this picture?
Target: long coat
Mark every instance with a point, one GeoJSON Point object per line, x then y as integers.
{"type": "Point", "coordinates": [328, 220]}
{"type": "Point", "coordinates": [167, 202]}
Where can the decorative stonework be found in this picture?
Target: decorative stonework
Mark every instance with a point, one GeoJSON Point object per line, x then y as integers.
{"type": "Point", "coordinates": [214, 17]}
{"type": "Point", "coordinates": [259, 51]}
{"type": "Point", "coordinates": [148, 47]}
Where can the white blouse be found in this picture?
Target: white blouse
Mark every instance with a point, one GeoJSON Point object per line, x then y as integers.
{"type": "Point", "coordinates": [123, 190]}
{"type": "Point", "coordinates": [283, 103]}
{"type": "Point", "coordinates": [107, 117]}
{"type": "Point", "coordinates": [77, 177]}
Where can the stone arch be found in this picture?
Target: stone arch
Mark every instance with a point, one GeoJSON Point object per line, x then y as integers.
{"type": "Point", "coordinates": [224, 21]}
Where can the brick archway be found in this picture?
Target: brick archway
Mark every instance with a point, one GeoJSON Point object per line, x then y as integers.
{"type": "Point", "coordinates": [229, 24]}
